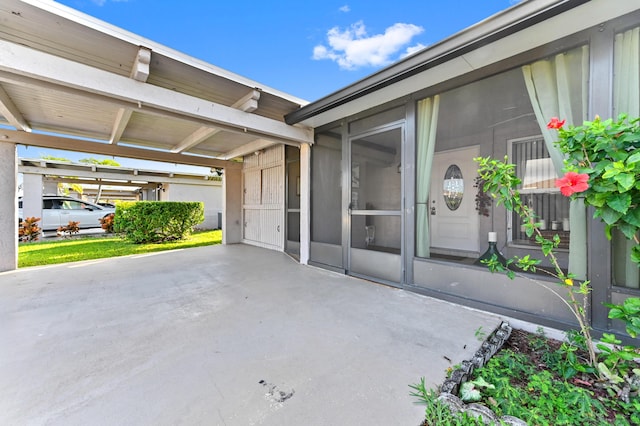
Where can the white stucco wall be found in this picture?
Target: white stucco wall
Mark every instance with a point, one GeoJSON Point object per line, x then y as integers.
{"type": "Point", "coordinates": [8, 207]}
{"type": "Point", "coordinates": [210, 195]}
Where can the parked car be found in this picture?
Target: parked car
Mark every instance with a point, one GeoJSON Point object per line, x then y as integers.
{"type": "Point", "coordinates": [107, 205]}
{"type": "Point", "coordinates": [60, 210]}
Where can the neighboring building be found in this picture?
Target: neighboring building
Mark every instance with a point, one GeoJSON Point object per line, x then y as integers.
{"type": "Point", "coordinates": [392, 170]}
{"type": "Point", "coordinates": [115, 183]}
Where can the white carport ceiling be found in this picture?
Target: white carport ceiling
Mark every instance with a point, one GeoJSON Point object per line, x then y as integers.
{"type": "Point", "coordinates": [72, 82]}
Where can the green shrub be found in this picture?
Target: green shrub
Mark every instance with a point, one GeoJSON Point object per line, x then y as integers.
{"type": "Point", "coordinates": [157, 221]}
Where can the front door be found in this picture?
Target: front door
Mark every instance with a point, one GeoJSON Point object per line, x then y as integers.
{"type": "Point", "coordinates": [375, 210]}
{"type": "Point", "coordinates": [454, 221]}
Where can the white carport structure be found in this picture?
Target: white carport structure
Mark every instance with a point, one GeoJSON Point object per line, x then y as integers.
{"type": "Point", "coordinates": [72, 82]}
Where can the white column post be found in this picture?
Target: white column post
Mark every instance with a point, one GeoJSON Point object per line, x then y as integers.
{"type": "Point", "coordinates": [32, 195]}
{"type": "Point", "coordinates": [305, 202]}
{"type": "Point", "coordinates": [232, 206]}
{"type": "Point", "coordinates": [8, 207]}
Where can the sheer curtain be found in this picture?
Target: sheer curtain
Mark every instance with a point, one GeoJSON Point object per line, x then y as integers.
{"type": "Point", "coordinates": [558, 87]}
{"type": "Point", "coordinates": [626, 99]}
{"type": "Point", "coordinates": [426, 142]}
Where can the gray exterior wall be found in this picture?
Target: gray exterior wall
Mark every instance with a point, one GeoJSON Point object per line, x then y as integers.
{"type": "Point", "coordinates": [487, 107]}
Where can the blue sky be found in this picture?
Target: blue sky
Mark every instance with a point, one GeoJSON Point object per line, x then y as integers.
{"type": "Point", "coordinates": [308, 49]}
{"type": "Point", "coordinates": [273, 42]}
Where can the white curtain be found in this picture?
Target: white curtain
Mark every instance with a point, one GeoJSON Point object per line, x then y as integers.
{"type": "Point", "coordinates": [558, 87]}
{"type": "Point", "coordinates": [626, 99]}
{"type": "Point", "coordinates": [426, 142]}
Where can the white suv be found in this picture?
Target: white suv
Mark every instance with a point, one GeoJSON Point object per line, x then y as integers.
{"type": "Point", "coordinates": [59, 211]}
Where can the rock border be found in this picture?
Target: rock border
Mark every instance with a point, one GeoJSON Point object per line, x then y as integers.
{"type": "Point", "coordinates": [450, 387]}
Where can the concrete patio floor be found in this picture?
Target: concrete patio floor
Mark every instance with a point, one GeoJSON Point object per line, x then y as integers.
{"type": "Point", "coordinates": [219, 335]}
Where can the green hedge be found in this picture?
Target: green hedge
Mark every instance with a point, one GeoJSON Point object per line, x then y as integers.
{"type": "Point", "coordinates": [157, 221]}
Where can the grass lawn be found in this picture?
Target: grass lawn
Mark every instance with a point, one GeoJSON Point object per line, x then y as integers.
{"type": "Point", "coordinates": [86, 248]}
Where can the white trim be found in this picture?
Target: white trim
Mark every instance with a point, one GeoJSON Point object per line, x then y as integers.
{"type": "Point", "coordinates": [305, 203]}
{"type": "Point", "coordinates": [18, 62]}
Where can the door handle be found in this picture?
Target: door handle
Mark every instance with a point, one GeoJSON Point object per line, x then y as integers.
{"type": "Point", "coordinates": [433, 211]}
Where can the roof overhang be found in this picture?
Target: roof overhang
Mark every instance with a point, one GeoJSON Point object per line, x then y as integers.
{"type": "Point", "coordinates": [70, 81]}
{"type": "Point", "coordinates": [109, 175]}
{"type": "Point", "coordinates": [525, 26]}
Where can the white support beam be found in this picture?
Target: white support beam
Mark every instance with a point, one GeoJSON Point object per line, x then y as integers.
{"type": "Point", "coordinates": [8, 207]}
{"type": "Point", "coordinates": [249, 148]}
{"type": "Point", "coordinates": [79, 145]}
{"type": "Point", "coordinates": [249, 102]}
{"type": "Point", "coordinates": [23, 65]}
{"type": "Point", "coordinates": [9, 111]}
{"type": "Point", "coordinates": [232, 224]}
{"type": "Point", "coordinates": [120, 123]}
{"type": "Point", "coordinates": [81, 176]}
{"type": "Point", "coordinates": [140, 70]}
{"type": "Point", "coordinates": [305, 203]}
{"type": "Point", "coordinates": [194, 139]}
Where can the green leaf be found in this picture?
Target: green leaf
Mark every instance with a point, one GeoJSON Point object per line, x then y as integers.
{"type": "Point", "coordinates": [481, 382]}
{"type": "Point", "coordinates": [597, 199]}
{"type": "Point", "coordinates": [611, 172]}
{"type": "Point", "coordinates": [628, 230]}
{"type": "Point", "coordinates": [634, 158]}
{"type": "Point", "coordinates": [468, 393]}
{"type": "Point", "coordinates": [633, 217]}
{"type": "Point", "coordinates": [610, 216]}
{"type": "Point", "coordinates": [635, 254]}
{"type": "Point", "coordinates": [633, 330]}
{"type": "Point", "coordinates": [632, 305]}
{"type": "Point", "coordinates": [610, 339]}
{"type": "Point", "coordinates": [612, 377]}
{"type": "Point", "coordinates": [625, 180]}
{"type": "Point", "coordinates": [604, 186]}
{"type": "Point", "coordinates": [619, 202]}
{"type": "Point", "coordinates": [616, 313]}
{"type": "Point", "coordinates": [607, 231]}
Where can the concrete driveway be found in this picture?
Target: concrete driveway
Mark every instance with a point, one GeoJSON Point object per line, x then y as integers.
{"type": "Point", "coordinates": [220, 335]}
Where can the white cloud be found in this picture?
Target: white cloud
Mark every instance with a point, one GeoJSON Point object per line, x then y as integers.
{"type": "Point", "coordinates": [353, 48]}
{"type": "Point", "coordinates": [345, 8]}
{"type": "Point", "coordinates": [413, 49]}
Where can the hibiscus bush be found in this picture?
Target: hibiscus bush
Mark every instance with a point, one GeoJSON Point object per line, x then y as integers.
{"type": "Point", "coordinates": [501, 181]}
{"type": "Point", "coordinates": [603, 163]}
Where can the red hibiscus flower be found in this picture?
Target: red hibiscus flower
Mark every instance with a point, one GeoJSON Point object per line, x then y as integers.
{"type": "Point", "coordinates": [572, 183]}
{"type": "Point", "coordinates": [555, 123]}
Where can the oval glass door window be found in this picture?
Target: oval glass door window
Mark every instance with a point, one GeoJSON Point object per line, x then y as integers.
{"type": "Point", "coordinates": [453, 187]}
